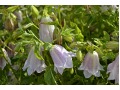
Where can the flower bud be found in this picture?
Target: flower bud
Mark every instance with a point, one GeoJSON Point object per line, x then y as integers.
{"type": "Point", "coordinates": [5, 59]}
{"type": "Point", "coordinates": [18, 14]}
{"type": "Point", "coordinates": [68, 38]}
{"type": "Point", "coordinates": [9, 25]}
{"type": "Point", "coordinates": [46, 31]}
{"type": "Point", "coordinates": [79, 55]}
{"type": "Point", "coordinates": [112, 45]}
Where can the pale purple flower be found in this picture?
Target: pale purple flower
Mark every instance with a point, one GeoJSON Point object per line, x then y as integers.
{"type": "Point", "coordinates": [4, 61]}
{"type": "Point", "coordinates": [91, 65]}
{"type": "Point", "coordinates": [46, 31]}
{"type": "Point", "coordinates": [113, 69]}
{"type": "Point", "coordinates": [18, 14]}
{"type": "Point", "coordinates": [114, 8]}
{"type": "Point", "coordinates": [61, 57]}
{"type": "Point", "coordinates": [105, 8]}
{"type": "Point", "coordinates": [33, 64]}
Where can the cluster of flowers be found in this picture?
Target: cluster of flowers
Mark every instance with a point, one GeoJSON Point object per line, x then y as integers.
{"type": "Point", "coordinates": [63, 59]}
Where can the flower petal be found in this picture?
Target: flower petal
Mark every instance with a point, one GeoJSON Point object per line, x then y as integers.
{"type": "Point", "coordinates": [91, 65]}
{"type": "Point", "coordinates": [46, 30]}
{"type": "Point", "coordinates": [30, 71]}
{"type": "Point", "coordinates": [97, 74]}
{"type": "Point", "coordinates": [60, 70]}
{"type": "Point", "coordinates": [61, 58]}
{"type": "Point", "coordinates": [2, 63]}
{"type": "Point", "coordinates": [87, 74]}
{"type": "Point", "coordinates": [33, 64]}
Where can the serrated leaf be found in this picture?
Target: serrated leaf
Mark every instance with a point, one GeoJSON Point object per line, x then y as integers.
{"type": "Point", "coordinates": [49, 76]}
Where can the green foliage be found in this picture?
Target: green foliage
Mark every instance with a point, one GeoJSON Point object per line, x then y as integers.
{"type": "Point", "coordinates": [49, 76]}
{"type": "Point", "coordinates": [77, 28]}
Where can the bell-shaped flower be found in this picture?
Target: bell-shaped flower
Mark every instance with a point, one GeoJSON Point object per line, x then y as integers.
{"type": "Point", "coordinates": [4, 60]}
{"type": "Point", "coordinates": [61, 57]}
{"type": "Point", "coordinates": [91, 65]}
{"type": "Point", "coordinates": [18, 15]}
{"type": "Point", "coordinates": [45, 30]}
{"type": "Point", "coordinates": [105, 8]}
{"type": "Point", "coordinates": [113, 69]}
{"type": "Point", "coordinates": [33, 64]}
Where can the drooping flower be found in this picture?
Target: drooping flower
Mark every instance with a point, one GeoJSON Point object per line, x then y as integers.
{"type": "Point", "coordinates": [33, 64]}
{"type": "Point", "coordinates": [46, 31]}
{"type": "Point", "coordinates": [105, 8]}
{"type": "Point", "coordinates": [18, 14]}
{"type": "Point", "coordinates": [91, 65]}
{"type": "Point", "coordinates": [4, 61]}
{"type": "Point", "coordinates": [113, 69]}
{"type": "Point", "coordinates": [61, 57]}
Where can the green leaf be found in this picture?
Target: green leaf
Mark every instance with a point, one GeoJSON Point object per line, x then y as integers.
{"type": "Point", "coordinates": [35, 11]}
{"type": "Point", "coordinates": [68, 38]}
{"type": "Point", "coordinates": [12, 8]}
{"type": "Point", "coordinates": [47, 46]}
{"type": "Point", "coordinates": [37, 52]}
{"type": "Point", "coordinates": [67, 32]}
{"type": "Point", "coordinates": [17, 47]}
{"type": "Point", "coordinates": [3, 33]}
{"type": "Point", "coordinates": [26, 36]}
{"type": "Point", "coordinates": [106, 36]}
{"type": "Point", "coordinates": [49, 76]}
{"type": "Point", "coordinates": [79, 36]}
{"type": "Point", "coordinates": [98, 42]}
{"type": "Point", "coordinates": [29, 25]}
{"type": "Point", "coordinates": [17, 33]}
{"type": "Point", "coordinates": [99, 50]}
